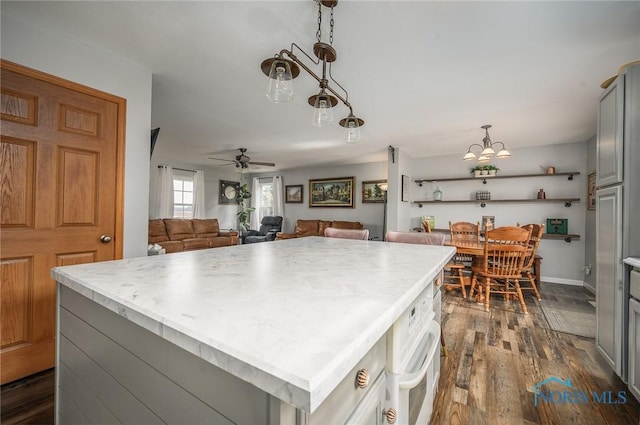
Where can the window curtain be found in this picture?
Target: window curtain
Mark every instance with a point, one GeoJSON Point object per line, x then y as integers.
{"type": "Point", "coordinates": [255, 203]}
{"type": "Point", "coordinates": [162, 205]}
{"type": "Point", "coordinates": [198, 194]}
{"type": "Point", "coordinates": [278, 196]}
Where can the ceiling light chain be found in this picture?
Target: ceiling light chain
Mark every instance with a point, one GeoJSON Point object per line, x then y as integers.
{"type": "Point", "coordinates": [487, 151]}
{"type": "Point", "coordinates": [285, 66]}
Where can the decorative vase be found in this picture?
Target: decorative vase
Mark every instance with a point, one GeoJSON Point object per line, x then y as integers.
{"type": "Point", "coordinates": [476, 173]}
{"type": "Point", "coordinates": [437, 194]}
{"type": "Point", "coordinates": [492, 172]}
{"type": "Point", "coordinates": [484, 172]}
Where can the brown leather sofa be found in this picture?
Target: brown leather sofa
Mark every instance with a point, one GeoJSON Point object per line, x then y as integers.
{"type": "Point", "coordinates": [177, 235]}
{"type": "Point", "coordinates": [316, 228]}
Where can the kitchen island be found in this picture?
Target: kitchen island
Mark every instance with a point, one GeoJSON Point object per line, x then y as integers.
{"type": "Point", "coordinates": [261, 333]}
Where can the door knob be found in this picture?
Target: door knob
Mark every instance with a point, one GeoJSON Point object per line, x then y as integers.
{"type": "Point", "coordinates": [105, 238]}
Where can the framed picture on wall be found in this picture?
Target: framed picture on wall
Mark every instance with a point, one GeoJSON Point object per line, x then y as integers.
{"type": "Point", "coordinates": [488, 222]}
{"type": "Point", "coordinates": [591, 191]}
{"type": "Point", "coordinates": [336, 192]}
{"type": "Point", "coordinates": [405, 188]}
{"type": "Point", "coordinates": [374, 191]}
{"type": "Point", "coordinates": [293, 194]}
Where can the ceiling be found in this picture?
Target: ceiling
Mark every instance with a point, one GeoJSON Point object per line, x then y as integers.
{"type": "Point", "coordinates": [423, 75]}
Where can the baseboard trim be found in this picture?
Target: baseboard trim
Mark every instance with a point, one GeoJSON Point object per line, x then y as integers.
{"type": "Point", "coordinates": [562, 281]}
{"type": "Point", "coordinates": [590, 288]}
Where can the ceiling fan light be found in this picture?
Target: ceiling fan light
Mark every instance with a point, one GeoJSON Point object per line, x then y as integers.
{"type": "Point", "coordinates": [280, 87]}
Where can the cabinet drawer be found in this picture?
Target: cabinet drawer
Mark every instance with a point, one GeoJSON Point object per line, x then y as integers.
{"type": "Point", "coordinates": [346, 396]}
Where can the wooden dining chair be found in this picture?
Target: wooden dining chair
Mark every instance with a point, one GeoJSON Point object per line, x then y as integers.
{"type": "Point", "coordinates": [534, 241]}
{"type": "Point", "coordinates": [464, 232]}
{"type": "Point", "coordinates": [500, 271]}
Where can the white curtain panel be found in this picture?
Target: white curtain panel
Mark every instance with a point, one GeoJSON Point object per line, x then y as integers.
{"type": "Point", "coordinates": [278, 196]}
{"type": "Point", "coordinates": [162, 205]}
{"type": "Point", "coordinates": [255, 203]}
{"type": "Point", "coordinates": [198, 194]}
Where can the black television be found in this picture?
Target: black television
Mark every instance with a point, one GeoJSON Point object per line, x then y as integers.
{"type": "Point", "coordinates": [154, 138]}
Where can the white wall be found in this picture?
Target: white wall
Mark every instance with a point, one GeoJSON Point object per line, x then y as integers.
{"type": "Point", "coordinates": [55, 54]}
{"type": "Point", "coordinates": [399, 211]}
{"type": "Point", "coordinates": [562, 262]}
{"type": "Point", "coordinates": [370, 215]}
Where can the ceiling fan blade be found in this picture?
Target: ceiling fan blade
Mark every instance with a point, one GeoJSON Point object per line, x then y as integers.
{"type": "Point", "coordinates": [266, 164]}
{"type": "Point", "coordinates": [221, 159]}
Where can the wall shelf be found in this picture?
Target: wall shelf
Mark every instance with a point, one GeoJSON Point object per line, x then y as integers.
{"type": "Point", "coordinates": [567, 238]}
{"type": "Point", "coordinates": [484, 179]}
{"type": "Point", "coordinates": [567, 201]}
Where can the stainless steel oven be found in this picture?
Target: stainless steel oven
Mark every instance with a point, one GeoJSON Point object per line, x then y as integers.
{"type": "Point", "coordinates": [414, 363]}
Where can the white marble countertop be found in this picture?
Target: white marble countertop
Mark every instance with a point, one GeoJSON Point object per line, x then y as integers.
{"type": "Point", "coordinates": [632, 261]}
{"type": "Point", "coordinates": [291, 317]}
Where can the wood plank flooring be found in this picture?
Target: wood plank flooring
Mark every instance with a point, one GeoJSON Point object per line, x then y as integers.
{"type": "Point", "coordinates": [495, 358]}
{"type": "Point", "coordinates": [494, 361]}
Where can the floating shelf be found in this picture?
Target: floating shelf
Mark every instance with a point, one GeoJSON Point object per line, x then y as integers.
{"type": "Point", "coordinates": [566, 238]}
{"type": "Point", "coordinates": [484, 179]}
{"type": "Point", "coordinates": [567, 201]}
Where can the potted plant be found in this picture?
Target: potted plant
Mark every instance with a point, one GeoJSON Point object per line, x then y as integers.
{"type": "Point", "coordinates": [477, 170]}
{"type": "Point", "coordinates": [492, 169]}
{"type": "Point", "coordinates": [244, 215]}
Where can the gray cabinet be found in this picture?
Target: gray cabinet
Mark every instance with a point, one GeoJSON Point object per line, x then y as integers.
{"type": "Point", "coordinates": [610, 134]}
{"type": "Point", "coordinates": [609, 293]}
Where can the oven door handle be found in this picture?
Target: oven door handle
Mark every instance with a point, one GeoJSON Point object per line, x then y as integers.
{"type": "Point", "coordinates": [410, 380]}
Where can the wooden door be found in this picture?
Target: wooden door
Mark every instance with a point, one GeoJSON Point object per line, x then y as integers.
{"type": "Point", "coordinates": [61, 190]}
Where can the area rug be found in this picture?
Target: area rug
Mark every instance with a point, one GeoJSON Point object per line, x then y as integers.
{"type": "Point", "coordinates": [575, 319]}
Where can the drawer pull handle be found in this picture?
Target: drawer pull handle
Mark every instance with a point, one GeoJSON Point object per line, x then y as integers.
{"type": "Point", "coordinates": [362, 378]}
{"type": "Point", "coordinates": [391, 415]}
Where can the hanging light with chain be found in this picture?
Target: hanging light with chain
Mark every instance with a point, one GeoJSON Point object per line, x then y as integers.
{"type": "Point", "coordinates": [285, 66]}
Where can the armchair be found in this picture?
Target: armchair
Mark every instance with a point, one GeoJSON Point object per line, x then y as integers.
{"type": "Point", "coordinates": [270, 225]}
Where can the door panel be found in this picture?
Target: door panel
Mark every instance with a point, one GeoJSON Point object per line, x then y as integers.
{"type": "Point", "coordinates": [61, 190]}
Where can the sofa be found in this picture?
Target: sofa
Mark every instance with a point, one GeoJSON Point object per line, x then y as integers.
{"type": "Point", "coordinates": [177, 235]}
{"type": "Point", "coordinates": [316, 228]}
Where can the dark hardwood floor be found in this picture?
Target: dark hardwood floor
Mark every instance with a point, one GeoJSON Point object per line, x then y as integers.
{"type": "Point", "coordinates": [494, 359]}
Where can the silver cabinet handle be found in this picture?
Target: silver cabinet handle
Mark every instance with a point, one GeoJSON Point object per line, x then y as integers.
{"type": "Point", "coordinates": [105, 238]}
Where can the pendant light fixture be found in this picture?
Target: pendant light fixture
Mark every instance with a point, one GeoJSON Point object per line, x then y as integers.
{"type": "Point", "coordinates": [487, 148]}
{"type": "Point", "coordinates": [285, 66]}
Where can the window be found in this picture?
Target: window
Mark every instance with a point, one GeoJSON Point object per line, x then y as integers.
{"type": "Point", "coordinates": [182, 196]}
{"type": "Point", "coordinates": [266, 198]}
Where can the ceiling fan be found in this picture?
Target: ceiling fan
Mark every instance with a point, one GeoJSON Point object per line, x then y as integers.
{"type": "Point", "coordinates": [243, 161]}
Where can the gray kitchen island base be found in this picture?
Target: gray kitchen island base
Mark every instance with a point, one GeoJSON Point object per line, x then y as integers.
{"type": "Point", "coordinates": [113, 371]}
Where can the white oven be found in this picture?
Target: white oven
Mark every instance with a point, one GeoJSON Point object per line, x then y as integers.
{"type": "Point", "coordinates": [414, 359]}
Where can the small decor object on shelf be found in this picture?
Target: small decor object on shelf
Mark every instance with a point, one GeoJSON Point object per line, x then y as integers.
{"type": "Point", "coordinates": [483, 195]}
{"type": "Point", "coordinates": [428, 220]}
{"type": "Point", "coordinates": [488, 222]}
{"type": "Point", "coordinates": [557, 226]}
{"type": "Point", "coordinates": [541, 194]}
{"type": "Point", "coordinates": [437, 194]}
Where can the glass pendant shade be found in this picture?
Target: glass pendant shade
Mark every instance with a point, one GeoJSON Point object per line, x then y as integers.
{"type": "Point", "coordinates": [280, 88]}
{"type": "Point", "coordinates": [487, 151]}
{"type": "Point", "coordinates": [469, 156]}
{"type": "Point", "coordinates": [322, 110]}
{"type": "Point", "coordinates": [503, 153]}
{"type": "Point", "coordinates": [352, 131]}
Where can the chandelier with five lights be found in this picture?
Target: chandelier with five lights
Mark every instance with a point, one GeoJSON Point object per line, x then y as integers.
{"type": "Point", "coordinates": [285, 66]}
{"type": "Point", "coordinates": [487, 148]}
